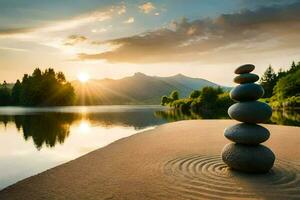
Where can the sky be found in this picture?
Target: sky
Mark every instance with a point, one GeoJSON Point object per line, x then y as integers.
{"type": "Point", "coordinates": [113, 39]}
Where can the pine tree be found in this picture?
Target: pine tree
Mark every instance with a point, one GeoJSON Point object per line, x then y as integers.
{"type": "Point", "coordinates": [268, 81]}
{"type": "Point", "coordinates": [16, 93]}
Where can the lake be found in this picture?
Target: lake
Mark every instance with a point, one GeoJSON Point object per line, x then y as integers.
{"type": "Point", "coordinates": [33, 140]}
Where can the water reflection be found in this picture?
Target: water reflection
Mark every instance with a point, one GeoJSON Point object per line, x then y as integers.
{"type": "Point", "coordinates": [47, 129]}
{"type": "Point", "coordinates": [84, 126]}
{"type": "Point", "coordinates": [280, 117]}
{"type": "Point", "coordinates": [286, 117]}
{"type": "Point", "coordinates": [34, 140]}
{"type": "Point", "coordinates": [177, 115]}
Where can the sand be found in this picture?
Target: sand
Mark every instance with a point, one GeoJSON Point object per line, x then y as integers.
{"type": "Point", "coordinates": [179, 160]}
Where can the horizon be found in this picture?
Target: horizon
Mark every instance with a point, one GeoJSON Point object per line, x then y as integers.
{"type": "Point", "coordinates": [115, 39]}
{"type": "Point", "coordinates": [130, 75]}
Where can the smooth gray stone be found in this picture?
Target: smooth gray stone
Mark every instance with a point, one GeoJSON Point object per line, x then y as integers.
{"type": "Point", "coordinates": [247, 92]}
{"type": "Point", "coordinates": [247, 68]}
{"type": "Point", "coordinates": [246, 78]}
{"type": "Point", "coordinates": [247, 158]}
{"type": "Point", "coordinates": [244, 133]}
{"type": "Point", "coordinates": [250, 111]}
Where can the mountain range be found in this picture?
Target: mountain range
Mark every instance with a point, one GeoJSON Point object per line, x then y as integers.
{"type": "Point", "coordinates": [136, 89]}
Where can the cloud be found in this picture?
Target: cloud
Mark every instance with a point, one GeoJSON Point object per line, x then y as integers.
{"type": "Point", "coordinates": [74, 39]}
{"type": "Point", "coordinates": [101, 30]}
{"type": "Point", "coordinates": [62, 25]}
{"type": "Point", "coordinates": [12, 49]}
{"type": "Point", "coordinates": [122, 10]}
{"type": "Point", "coordinates": [184, 40]}
{"type": "Point", "coordinates": [129, 20]}
{"type": "Point", "coordinates": [147, 7]}
{"type": "Point", "coordinates": [13, 31]}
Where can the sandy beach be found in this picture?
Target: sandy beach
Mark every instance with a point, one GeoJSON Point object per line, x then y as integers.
{"type": "Point", "coordinates": [179, 160]}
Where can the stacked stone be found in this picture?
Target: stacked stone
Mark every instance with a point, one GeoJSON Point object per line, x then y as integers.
{"type": "Point", "coordinates": [247, 154]}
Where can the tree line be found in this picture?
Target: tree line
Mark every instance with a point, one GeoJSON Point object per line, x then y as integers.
{"type": "Point", "coordinates": [203, 100]}
{"type": "Point", "coordinates": [282, 89]}
{"type": "Point", "coordinates": [41, 88]}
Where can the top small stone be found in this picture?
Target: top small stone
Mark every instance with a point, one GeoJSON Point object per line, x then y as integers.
{"type": "Point", "coordinates": [247, 68]}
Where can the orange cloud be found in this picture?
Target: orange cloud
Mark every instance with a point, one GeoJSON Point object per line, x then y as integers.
{"type": "Point", "coordinates": [147, 7]}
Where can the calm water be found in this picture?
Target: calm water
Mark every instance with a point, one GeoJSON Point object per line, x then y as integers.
{"type": "Point", "coordinates": [33, 140]}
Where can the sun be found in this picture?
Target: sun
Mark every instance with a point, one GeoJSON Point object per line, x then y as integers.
{"type": "Point", "coordinates": [83, 77]}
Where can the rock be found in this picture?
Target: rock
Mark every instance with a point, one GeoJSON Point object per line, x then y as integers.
{"type": "Point", "coordinates": [247, 158]}
{"type": "Point", "coordinates": [246, 78]}
{"type": "Point", "coordinates": [250, 134]}
{"type": "Point", "coordinates": [247, 92]}
{"type": "Point", "coordinates": [250, 111]}
{"type": "Point", "coordinates": [247, 68]}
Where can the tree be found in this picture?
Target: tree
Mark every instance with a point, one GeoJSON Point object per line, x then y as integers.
{"type": "Point", "coordinates": [165, 100]}
{"type": "Point", "coordinates": [5, 97]}
{"type": "Point", "coordinates": [268, 81]}
{"type": "Point", "coordinates": [288, 86]}
{"type": "Point", "coordinates": [37, 73]}
{"type": "Point", "coordinates": [61, 77]}
{"type": "Point", "coordinates": [224, 100]}
{"type": "Point", "coordinates": [16, 93]}
{"type": "Point", "coordinates": [195, 94]}
{"type": "Point", "coordinates": [46, 88]}
{"type": "Point", "coordinates": [209, 95]}
{"type": "Point", "coordinates": [293, 66]}
{"type": "Point", "coordinates": [281, 73]}
{"type": "Point", "coordinates": [174, 95]}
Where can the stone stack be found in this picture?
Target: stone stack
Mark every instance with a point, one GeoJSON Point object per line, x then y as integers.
{"type": "Point", "coordinates": [247, 154]}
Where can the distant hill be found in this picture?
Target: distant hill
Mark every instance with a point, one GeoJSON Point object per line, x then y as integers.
{"type": "Point", "coordinates": [136, 89]}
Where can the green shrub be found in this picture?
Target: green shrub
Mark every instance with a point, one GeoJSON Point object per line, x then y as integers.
{"type": "Point", "coordinates": [195, 94]}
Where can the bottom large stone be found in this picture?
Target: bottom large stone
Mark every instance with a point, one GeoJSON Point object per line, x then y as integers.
{"type": "Point", "coordinates": [246, 158]}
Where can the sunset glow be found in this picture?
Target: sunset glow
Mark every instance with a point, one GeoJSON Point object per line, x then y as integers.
{"type": "Point", "coordinates": [115, 39]}
{"type": "Point", "coordinates": [84, 126]}
{"type": "Point", "coordinates": [83, 77]}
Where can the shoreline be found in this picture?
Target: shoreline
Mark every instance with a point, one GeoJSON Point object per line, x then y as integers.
{"type": "Point", "coordinates": [141, 167]}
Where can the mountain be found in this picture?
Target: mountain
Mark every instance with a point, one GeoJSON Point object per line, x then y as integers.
{"type": "Point", "coordinates": [136, 89]}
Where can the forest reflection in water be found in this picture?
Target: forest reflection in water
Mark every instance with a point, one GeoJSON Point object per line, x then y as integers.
{"type": "Point", "coordinates": [286, 117]}
{"type": "Point", "coordinates": [33, 140]}
{"type": "Point", "coordinates": [280, 117]}
{"type": "Point", "coordinates": [49, 129]}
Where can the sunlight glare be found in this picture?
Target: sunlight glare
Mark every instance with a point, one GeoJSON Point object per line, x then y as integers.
{"type": "Point", "coordinates": [84, 126]}
{"type": "Point", "coordinates": [83, 77]}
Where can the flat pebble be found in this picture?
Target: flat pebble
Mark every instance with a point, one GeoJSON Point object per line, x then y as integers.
{"type": "Point", "coordinates": [247, 92]}
{"type": "Point", "coordinates": [243, 133]}
{"type": "Point", "coordinates": [250, 112]}
{"type": "Point", "coordinates": [247, 68]}
{"type": "Point", "coordinates": [246, 78]}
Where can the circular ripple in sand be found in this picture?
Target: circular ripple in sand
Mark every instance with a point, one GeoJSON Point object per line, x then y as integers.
{"type": "Point", "coordinates": [197, 177]}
